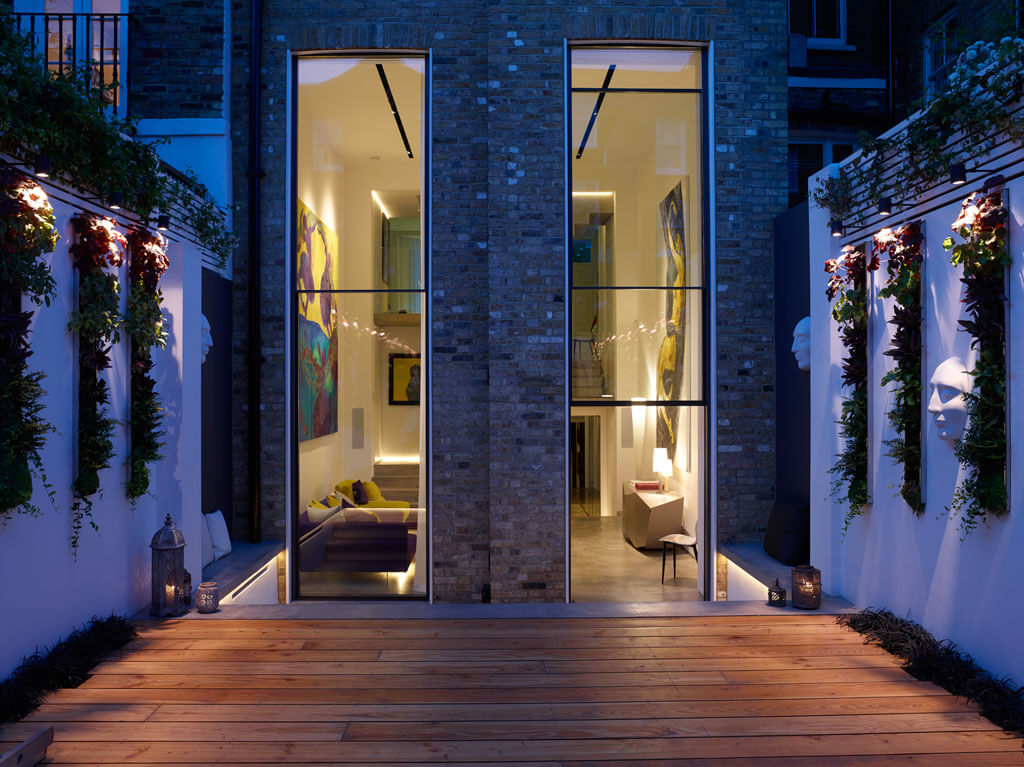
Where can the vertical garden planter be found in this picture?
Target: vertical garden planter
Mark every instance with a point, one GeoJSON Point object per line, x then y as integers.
{"type": "Point", "coordinates": [97, 322]}
{"type": "Point", "coordinates": [26, 232]}
{"type": "Point", "coordinates": [903, 266]}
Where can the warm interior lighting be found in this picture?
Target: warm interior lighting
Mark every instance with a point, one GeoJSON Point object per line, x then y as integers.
{"type": "Point", "coordinates": [380, 205]}
{"type": "Point", "coordinates": [592, 194]}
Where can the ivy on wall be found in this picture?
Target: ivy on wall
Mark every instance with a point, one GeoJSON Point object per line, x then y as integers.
{"type": "Point", "coordinates": [144, 325]}
{"type": "Point", "coordinates": [847, 288]}
{"type": "Point", "coordinates": [903, 247]}
{"type": "Point", "coordinates": [97, 321]}
{"type": "Point", "coordinates": [27, 231]}
{"type": "Point", "coordinates": [64, 116]}
{"type": "Point", "coordinates": [983, 254]}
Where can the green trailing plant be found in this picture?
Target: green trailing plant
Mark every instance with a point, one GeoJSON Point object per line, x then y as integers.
{"type": "Point", "coordinates": [65, 116]}
{"type": "Point", "coordinates": [66, 664]}
{"type": "Point", "coordinates": [27, 231]}
{"type": "Point", "coordinates": [847, 288]}
{"type": "Point", "coordinates": [930, 660]}
{"type": "Point", "coordinates": [977, 109]}
{"type": "Point", "coordinates": [97, 321]}
{"type": "Point", "coordinates": [143, 323]}
{"type": "Point", "coordinates": [983, 256]}
{"type": "Point", "coordinates": [903, 248]}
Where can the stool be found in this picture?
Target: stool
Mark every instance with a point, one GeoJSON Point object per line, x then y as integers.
{"type": "Point", "coordinates": [677, 540]}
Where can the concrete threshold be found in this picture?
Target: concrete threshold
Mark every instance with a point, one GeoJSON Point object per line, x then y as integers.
{"type": "Point", "coordinates": [411, 610]}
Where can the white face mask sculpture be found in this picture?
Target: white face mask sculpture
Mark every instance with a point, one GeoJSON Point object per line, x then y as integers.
{"type": "Point", "coordinates": [801, 347]}
{"type": "Point", "coordinates": [946, 404]}
{"type": "Point", "coordinates": [206, 342]}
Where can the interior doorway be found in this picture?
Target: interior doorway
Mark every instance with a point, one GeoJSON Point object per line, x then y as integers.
{"type": "Point", "coordinates": [585, 466]}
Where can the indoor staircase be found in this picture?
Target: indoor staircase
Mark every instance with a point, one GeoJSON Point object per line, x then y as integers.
{"type": "Point", "coordinates": [398, 481]}
{"type": "Point", "coordinates": [586, 380]}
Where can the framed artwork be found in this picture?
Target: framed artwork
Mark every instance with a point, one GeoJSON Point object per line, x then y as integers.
{"type": "Point", "coordinates": [672, 354]}
{"type": "Point", "coordinates": [317, 264]}
{"type": "Point", "coordinates": [404, 376]}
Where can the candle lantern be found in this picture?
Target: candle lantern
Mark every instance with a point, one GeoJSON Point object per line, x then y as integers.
{"type": "Point", "coordinates": [806, 587]}
{"type": "Point", "coordinates": [776, 595]}
{"type": "Point", "coordinates": [168, 547]}
{"type": "Point", "coordinates": [207, 597]}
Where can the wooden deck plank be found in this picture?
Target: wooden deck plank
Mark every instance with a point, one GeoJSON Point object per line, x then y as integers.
{"type": "Point", "coordinates": [767, 691]}
{"type": "Point", "coordinates": [110, 752]}
{"type": "Point", "coordinates": [302, 712]}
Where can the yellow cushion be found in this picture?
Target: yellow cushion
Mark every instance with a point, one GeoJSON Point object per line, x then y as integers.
{"type": "Point", "coordinates": [372, 491]}
{"type": "Point", "coordinates": [332, 501]}
{"type": "Point", "coordinates": [317, 505]}
{"type": "Point", "coordinates": [345, 488]}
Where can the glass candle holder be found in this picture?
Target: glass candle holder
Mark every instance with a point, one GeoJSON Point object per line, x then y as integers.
{"type": "Point", "coordinates": [207, 597]}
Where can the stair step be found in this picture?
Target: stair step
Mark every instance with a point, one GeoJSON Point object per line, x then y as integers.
{"type": "Point", "coordinates": [396, 470]}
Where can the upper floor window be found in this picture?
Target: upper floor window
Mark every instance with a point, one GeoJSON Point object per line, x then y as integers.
{"type": "Point", "coordinates": [71, 32]}
{"type": "Point", "coordinates": [823, 22]}
{"type": "Point", "coordinates": [939, 54]}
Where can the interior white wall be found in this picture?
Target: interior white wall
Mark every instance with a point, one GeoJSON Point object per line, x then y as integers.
{"type": "Point", "coordinates": [966, 591]}
{"type": "Point", "coordinates": [48, 592]}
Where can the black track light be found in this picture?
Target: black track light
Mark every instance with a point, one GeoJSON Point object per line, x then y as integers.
{"type": "Point", "coordinates": [884, 206]}
{"type": "Point", "coordinates": [163, 222]}
{"type": "Point", "coordinates": [43, 166]}
{"type": "Point", "coordinates": [835, 227]}
{"type": "Point", "coordinates": [116, 200]}
{"type": "Point", "coordinates": [957, 174]}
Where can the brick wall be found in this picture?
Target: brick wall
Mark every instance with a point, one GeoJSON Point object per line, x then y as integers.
{"type": "Point", "coordinates": [498, 271]}
{"type": "Point", "coordinates": [176, 58]}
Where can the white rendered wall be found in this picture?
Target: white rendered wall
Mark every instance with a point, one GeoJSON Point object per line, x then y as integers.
{"type": "Point", "coordinates": [967, 592]}
{"type": "Point", "coordinates": [48, 592]}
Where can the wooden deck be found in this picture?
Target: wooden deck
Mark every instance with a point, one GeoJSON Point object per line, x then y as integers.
{"type": "Point", "coordinates": [788, 690]}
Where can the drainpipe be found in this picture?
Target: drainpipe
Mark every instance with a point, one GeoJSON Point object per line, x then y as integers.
{"type": "Point", "coordinates": [255, 354]}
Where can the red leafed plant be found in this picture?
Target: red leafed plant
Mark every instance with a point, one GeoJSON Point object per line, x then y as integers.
{"type": "Point", "coordinates": [847, 288]}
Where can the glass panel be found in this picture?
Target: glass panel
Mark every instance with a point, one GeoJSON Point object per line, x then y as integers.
{"type": "Point", "coordinates": [359, 391]}
{"type": "Point", "coordinates": [800, 17]}
{"type": "Point", "coordinates": [636, 68]}
{"type": "Point", "coordinates": [359, 369]}
{"type": "Point", "coordinates": [610, 449]}
{"type": "Point", "coordinates": [637, 189]}
{"type": "Point", "coordinates": [360, 159]}
{"type": "Point", "coordinates": [826, 18]}
{"type": "Point", "coordinates": [629, 344]}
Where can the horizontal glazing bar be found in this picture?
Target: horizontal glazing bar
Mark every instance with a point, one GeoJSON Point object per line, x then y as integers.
{"type": "Point", "coordinates": [698, 288]}
{"type": "Point", "coordinates": [641, 403]}
{"type": "Point", "coordinates": [637, 90]}
{"type": "Point", "coordinates": [410, 291]}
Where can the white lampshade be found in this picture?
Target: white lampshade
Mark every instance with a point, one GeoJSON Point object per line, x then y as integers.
{"type": "Point", "coordinates": [661, 462]}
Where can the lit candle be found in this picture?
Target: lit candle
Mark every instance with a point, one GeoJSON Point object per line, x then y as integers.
{"type": "Point", "coordinates": [169, 593]}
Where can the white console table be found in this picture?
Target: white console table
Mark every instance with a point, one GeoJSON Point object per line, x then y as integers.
{"type": "Point", "coordinates": [647, 515]}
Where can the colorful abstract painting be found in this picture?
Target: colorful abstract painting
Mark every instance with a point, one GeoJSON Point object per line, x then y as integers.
{"type": "Point", "coordinates": [670, 357]}
{"type": "Point", "coordinates": [317, 264]}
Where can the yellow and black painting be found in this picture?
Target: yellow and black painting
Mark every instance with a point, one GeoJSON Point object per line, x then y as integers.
{"type": "Point", "coordinates": [670, 357]}
{"type": "Point", "coordinates": [317, 264]}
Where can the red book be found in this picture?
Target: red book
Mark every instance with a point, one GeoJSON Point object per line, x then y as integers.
{"type": "Point", "coordinates": [645, 484]}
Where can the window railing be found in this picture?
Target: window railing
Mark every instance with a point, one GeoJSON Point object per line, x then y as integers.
{"type": "Point", "coordinates": [63, 40]}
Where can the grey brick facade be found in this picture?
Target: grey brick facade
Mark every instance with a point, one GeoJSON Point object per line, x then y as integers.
{"type": "Point", "coordinates": [497, 282]}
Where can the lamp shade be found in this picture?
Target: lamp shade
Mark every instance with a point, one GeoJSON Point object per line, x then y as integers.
{"type": "Point", "coordinates": [661, 461]}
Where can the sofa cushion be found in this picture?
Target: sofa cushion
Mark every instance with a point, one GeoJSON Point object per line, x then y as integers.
{"type": "Point", "coordinates": [207, 543]}
{"type": "Point", "coordinates": [345, 488]}
{"type": "Point", "coordinates": [372, 491]}
{"type": "Point", "coordinates": [219, 534]}
{"type": "Point", "coordinates": [384, 504]}
{"type": "Point", "coordinates": [316, 512]}
{"type": "Point", "coordinates": [359, 494]}
{"type": "Point", "coordinates": [787, 536]}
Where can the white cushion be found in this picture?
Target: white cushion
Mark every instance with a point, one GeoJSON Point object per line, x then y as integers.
{"type": "Point", "coordinates": [316, 516]}
{"type": "Point", "coordinates": [207, 543]}
{"type": "Point", "coordinates": [219, 534]}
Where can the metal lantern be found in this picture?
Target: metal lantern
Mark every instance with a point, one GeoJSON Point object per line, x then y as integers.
{"type": "Point", "coordinates": [806, 587]}
{"type": "Point", "coordinates": [207, 597]}
{"type": "Point", "coordinates": [776, 595]}
{"type": "Point", "coordinates": [168, 547]}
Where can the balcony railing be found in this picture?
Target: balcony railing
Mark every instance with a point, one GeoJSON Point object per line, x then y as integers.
{"type": "Point", "coordinates": [65, 39]}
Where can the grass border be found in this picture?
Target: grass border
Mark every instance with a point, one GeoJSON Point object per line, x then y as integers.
{"type": "Point", "coordinates": [66, 664]}
{"type": "Point", "coordinates": [926, 658]}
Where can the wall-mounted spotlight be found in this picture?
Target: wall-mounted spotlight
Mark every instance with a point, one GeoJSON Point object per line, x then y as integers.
{"type": "Point", "coordinates": [835, 227]}
{"type": "Point", "coordinates": [884, 206]}
{"type": "Point", "coordinates": [116, 201]}
{"type": "Point", "coordinates": [43, 166]}
{"type": "Point", "coordinates": [163, 222]}
{"type": "Point", "coordinates": [957, 174]}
